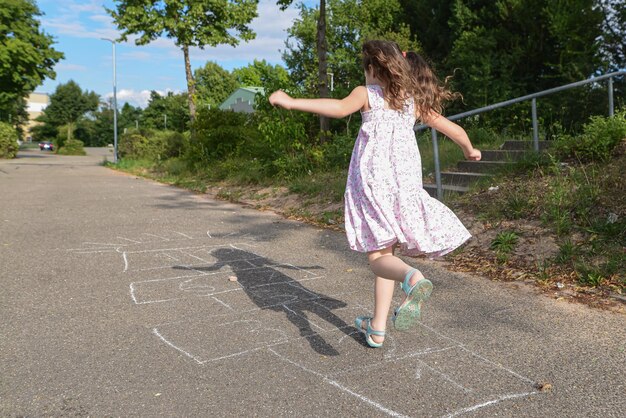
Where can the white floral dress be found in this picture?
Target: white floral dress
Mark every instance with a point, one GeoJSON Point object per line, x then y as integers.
{"type": "Point", "coordinates": [385, 202]}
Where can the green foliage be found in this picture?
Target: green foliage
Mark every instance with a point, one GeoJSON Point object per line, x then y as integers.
{"type": "Point", "coordinates": [504, 242]}
{"type": "Point", "coordinates": [190, 23]}
{"type": "Point", "coordinates": [151, 145]}
{"type": "Point", "coordinates": [599, 138]}
{"type": "Point", "coordinates": [26, 54]}
{"type": "Point", "coordinates": [220, 134]}
{"type": "Point", "coordinates": [285, 144]}
{"type": "Point", "coordinates": [8, 141]}
{"type": "Point", "coordinates": [129, 117]}
{"type": "Point", "coordinates": [338, 151]}
{"type": "Point", "coordinates": [68, 103]}
{"type": "Point", "coordinates": [261, 73]}
{"type": "Point", "coordinates": [613, 33]}
{"type": "Point", "coordinates": [72, 147]}
{"type": "Point", "coordinates": [133, 145]}
{"type": "Point", "coordinates": [165, 112]}
{"type": "Point", "coordinates": [168, 144]}
{"type": "Point", "coordinates": [349, 23]}
{"type": "Point", "coordinates": [567, 252]}
{"type": "Point", "coordinates": [44, 130]}
{"type": "Point", "coordinates": [213, 85]}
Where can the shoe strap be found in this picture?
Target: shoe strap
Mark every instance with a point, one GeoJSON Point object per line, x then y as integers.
{"type": "Point", "coordinates": [370, 331]}
{"type": "Point", "coordinates": [405, 285]}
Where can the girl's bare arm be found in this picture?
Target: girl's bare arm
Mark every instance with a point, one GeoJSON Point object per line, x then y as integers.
{"type": "Point", "coordinates": [333, 108]}
{"type": "Point", "coordinates": [455, 133]}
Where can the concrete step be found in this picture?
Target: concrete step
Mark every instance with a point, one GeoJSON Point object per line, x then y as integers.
{"type": "Point", "coordinates": [480, 166]}
{"type": "Point", "coordinates": [503, 155]}
{"type": "Point", "coordinates": [524, 145]}
{"type": "Point", "coordinates": [461, 178]}
{"type": "Point", "coordinates": [447, 189]}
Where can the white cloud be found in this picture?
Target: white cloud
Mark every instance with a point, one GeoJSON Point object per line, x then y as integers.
{"type": "Point", "coordinates": [65, 66]}
{"type": "Point", "coordinates": [137, 55]}
{"type": "Point", "coordinates": [136, 98]}
{"type": "Point", "coordinates": [68, 20]}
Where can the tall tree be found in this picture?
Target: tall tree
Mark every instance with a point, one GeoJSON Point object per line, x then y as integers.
{"type": "Point", "coordinates": [503, 51]}
{"type": "Point", "coordinates": [322, 60]}
{"type": "Point", "coordinates": [129, 116]}
{"type": "Point", "coordinates": [26, 55]}
{"type": "Point", "coordinates": [613, 39]}
{"type": "Point", "coordinates": [350, 22]}
{"type": "Point", "coordinates": [213, 84]}
{"type": "Point", "coordinates": [261, 73]}
{"type": "Point", "coordinates": [166, 112]}
{"type": "Point", "coordinates": [190, 23]}
{"type": "Point", "coordinates": [68, 103]}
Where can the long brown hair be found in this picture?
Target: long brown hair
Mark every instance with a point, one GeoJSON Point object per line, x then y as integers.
{"type": "Point", "coordinates": [391, 68]}
{"type": "Point", "coordinates": [429, 92]}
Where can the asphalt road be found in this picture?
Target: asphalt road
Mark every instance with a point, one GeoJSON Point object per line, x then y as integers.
{"type": "Point", "coordinates": [117, 299]}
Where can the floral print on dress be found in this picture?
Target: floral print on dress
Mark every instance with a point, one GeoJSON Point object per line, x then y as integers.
{"type": "Point", "coordinates": [385, 202]}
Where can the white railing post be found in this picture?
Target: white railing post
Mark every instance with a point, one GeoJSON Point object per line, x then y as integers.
{"type": "Point", "coordinates": [535, 125]}
{"type": "Point", "coordinates": [611, 110]}
{"type": "Point", "coordinates": [433, 134]}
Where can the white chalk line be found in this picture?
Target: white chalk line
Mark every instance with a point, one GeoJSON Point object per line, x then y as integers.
{"type": "Point", "coordinates": [156, 332]}
{"type": "Point", "coordinates": [132, 289]}
{"type": "Point", "coordinates": [104, 244]}
{"type": "Point", "coordinates": [196, 257]}
{"type": "Point", "coordinates": [303, 317]}
{"type": "Point", "coordinates": [125, 261]}
{"type": "Point", "coordinates": [196, 247]}
{"type": "Point", "coordinates": [184, 235]}
{"type": "Point", "coordinates": [445, 377]}
{"type": "Point", "coordinates": [222, 302]}
{"type": "Point", "coordinates": [464, 347]}
{"type": "Point", "coordinates": [96, 251]}
{"type": "Point", "coordinates": [390, 359]}
{"type": "Point", "coordinates": [340, 386]}
{"type": "Point", "coordinates": [498, 365]}
{"type": "Point", "coordinates": [488, 403]}
{"type": "Point", "coordinates": [156, 236]}
{"type": "Point", "coordinates": [131, 240]}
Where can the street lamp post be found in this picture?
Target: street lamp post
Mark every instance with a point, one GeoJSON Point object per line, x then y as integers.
{"type": "Point", "coordinates": [114, 103]}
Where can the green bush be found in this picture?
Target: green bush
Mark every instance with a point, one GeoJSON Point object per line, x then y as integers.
{"type": "Point", "coordinates": [164, 145]}
{"type": "Point", "coordinates": [220, 134]}
{"type": "Point", "coordinates": [8, 141]}
{"type": "Point", "coordinates": [134, 144]}
{"type": "Point", "coordinates": [338, 151]}
{"type": "Point", "coordinates": [72, 147]}
{"type": "Point", "coordinates": [61, 137]}
{"type": "Point", "coordinates": [599, 138]}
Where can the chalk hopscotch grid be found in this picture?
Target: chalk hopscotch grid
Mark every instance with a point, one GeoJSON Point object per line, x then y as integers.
{"type": "Point", "coordinates": [133, 285]}
{"type": "Point", "coordinates": [330, 378]}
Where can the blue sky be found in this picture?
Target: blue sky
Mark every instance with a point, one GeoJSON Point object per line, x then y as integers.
{"type": "Point", "coordinates": [78, 26]}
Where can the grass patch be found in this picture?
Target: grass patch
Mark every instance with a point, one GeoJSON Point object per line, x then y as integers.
{"type": "Point", "coordinates": [328, 185]}
{"type": "Point", "coordinates": [582, 203]}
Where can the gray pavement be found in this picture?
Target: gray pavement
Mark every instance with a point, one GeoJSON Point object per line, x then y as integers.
{"type": "Point", "coordinates": [117, 299]}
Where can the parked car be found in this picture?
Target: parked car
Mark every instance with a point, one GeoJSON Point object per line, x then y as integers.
{"type": "Point", "coordinates": [46, 146]}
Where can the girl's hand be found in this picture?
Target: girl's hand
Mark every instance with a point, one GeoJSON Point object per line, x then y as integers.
{"type": "Point", "coordinates": [281, 99]}
{"type": "Point", "coordinates": [472, 155]}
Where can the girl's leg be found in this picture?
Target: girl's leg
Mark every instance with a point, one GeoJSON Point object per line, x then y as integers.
{"type": "Point", "coordinates": [384, 264]}
{"type": "Point", "coordinates": [383, 294]}
{"type": "Point", "coordinates": [389, 269]}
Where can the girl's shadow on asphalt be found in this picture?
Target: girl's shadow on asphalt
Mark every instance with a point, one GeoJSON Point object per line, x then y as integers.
{"type": "Point", "coordinates": [265, 286]}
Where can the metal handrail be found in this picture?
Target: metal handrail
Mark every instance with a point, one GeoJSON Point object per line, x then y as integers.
{"type": "Point", "coordinates": [533, 97]}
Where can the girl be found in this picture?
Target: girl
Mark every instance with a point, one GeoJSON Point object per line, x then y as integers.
{"type": "Point", "coordinates": [385, 204]}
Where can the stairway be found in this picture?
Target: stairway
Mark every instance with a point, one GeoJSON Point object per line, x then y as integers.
{"type": "Point", "coordinates": [472, 171]}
